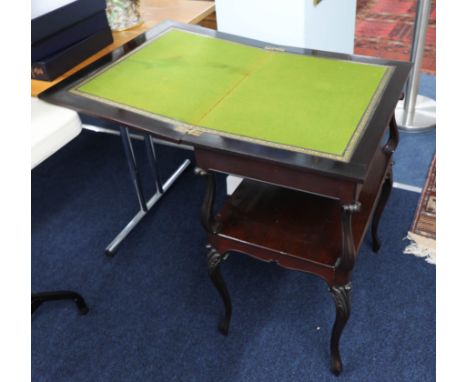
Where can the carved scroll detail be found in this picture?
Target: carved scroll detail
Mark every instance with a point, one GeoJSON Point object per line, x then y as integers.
{"type": "Point", "coordinates": [214, 261]}
{"type": "Point", "coordinates": [346, 261]}
{"type": "Point", "coordinates": [207, 218]}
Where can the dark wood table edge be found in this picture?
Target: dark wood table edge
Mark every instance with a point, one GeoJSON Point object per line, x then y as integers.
{"type": "Point", "coordinates": [356, 168]}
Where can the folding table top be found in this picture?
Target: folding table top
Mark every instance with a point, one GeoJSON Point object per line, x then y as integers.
{"type": "Point", "coordinates": [200, 83]}
{"type": "Point", "coordinates": [315, 111]}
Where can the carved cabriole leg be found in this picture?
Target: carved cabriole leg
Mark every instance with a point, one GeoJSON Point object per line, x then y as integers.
{"type": "Point", "coordinates": [214, 258]}
{"type": "Point", "coordinates": [384, 195]}
{"type": "Point", "coordinates": [341, 294]}
{"type": "Point", "coordinates": [214, 261]}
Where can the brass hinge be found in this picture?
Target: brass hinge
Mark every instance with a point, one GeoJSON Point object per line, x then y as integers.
{"type": "Point", "coordinates": [274, 48]}
{"type": "Point", "coordinates": [189, 130]}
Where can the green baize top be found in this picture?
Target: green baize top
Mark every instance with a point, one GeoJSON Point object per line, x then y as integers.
{"type": "Point", "coordinates": [301, 103]}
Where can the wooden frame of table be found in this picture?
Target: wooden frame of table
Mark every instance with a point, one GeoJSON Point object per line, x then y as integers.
{"type": "Point", "coordinates": [304, 212]}
{"type": "Point", "coordinates": [318, 231]}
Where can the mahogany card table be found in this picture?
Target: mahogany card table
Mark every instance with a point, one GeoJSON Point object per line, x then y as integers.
{"type": "Point", "coordinates": [312, 133]}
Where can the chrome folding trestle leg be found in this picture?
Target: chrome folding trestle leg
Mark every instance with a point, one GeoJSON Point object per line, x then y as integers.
{"type": "Point", "coordinates": [161, 188]}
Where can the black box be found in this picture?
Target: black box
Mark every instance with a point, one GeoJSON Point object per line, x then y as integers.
{"type": "Point", "coordinates": [51, 67]}
{"type": "Point", "coordinates": [50, 16]}
{"type": "Point", "coordinates": [69, 36]}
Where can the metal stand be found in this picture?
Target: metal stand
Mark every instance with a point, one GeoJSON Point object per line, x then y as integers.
{"type": "Point", "coordinates": [38, 298]}
{"type": "Point", "coordinates": [417, 113]}
{"type": "Point", "coordinates": [424, 115]}
{"type": "Point", "coordinates": [161, 189]}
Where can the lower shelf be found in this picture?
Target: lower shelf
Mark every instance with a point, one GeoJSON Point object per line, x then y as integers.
{"type": "Point", "coordinates": [285, 222]}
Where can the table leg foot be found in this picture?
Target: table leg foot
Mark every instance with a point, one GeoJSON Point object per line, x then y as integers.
{"type": "Point", "coordinates": [81, 304]}
{"type": "Point", "coordinates": [384, 195]}
{"type": "Point", "coordinates": [111, 249]}
{"type": "Point", "coordinates": [214, 261]}
{"type": "Point", "coordinates": [336, 365]}
{"type": "Point", "coordinates": [223, 327]}
{"type": "Point", "coordinates": [341, 295]}
{"type": "Point", "coordinates": [38, 298]}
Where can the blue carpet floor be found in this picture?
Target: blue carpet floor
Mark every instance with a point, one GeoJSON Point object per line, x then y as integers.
{"type": "Point", "coordinates": [153, 311]}
{"type": "Point", "coordinates": [415, 151]}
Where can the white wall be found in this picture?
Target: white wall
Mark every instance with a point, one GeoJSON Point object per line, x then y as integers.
{"type": "Point", "coordinates": [326, 26]}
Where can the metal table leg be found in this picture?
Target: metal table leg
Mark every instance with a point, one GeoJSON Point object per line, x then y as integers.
{"type": "Point", "coordinates": [161, 189]}
{"type": "Point", "coordinates": [38, 298]}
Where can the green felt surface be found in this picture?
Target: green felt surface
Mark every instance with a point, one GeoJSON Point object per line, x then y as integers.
{"type": "Point", "coordinates": [285, 99]}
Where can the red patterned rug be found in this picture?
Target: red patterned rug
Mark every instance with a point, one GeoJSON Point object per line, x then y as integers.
{"type": "Point", "coordinates": [384, 28]}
